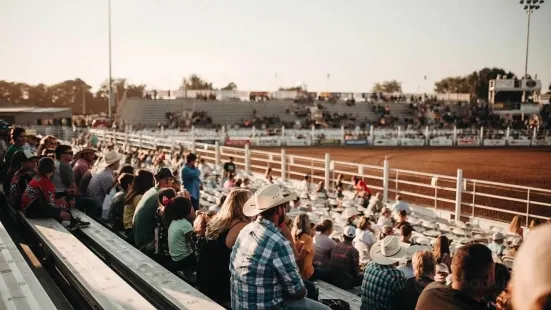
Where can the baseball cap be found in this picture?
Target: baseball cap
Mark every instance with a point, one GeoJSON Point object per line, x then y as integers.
{"type": "Point", "coordinates": [29, 155]}
{"type": "Point", "coordinates": [349, 231]}
{"type": "Point", "coordinates": [497, 236]}
{"type": "Point", "coordinates": [163, 173]}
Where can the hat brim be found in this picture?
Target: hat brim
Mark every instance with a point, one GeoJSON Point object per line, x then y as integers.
{"type": "Point", "coordinates": [379, 258]}
{"type": "Point", "coordinates": [251, 209]}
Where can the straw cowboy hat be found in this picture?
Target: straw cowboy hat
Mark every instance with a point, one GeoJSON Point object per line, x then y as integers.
{"type": "Point", "coordinates": [388, 251]}
{"type": "Point", "coordinates": [266, 198]}
{"type": "Point", "coordinates": [85, 150]}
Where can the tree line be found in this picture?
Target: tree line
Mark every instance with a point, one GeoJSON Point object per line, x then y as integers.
{"type": "Point", "coordinates": [77, 94]}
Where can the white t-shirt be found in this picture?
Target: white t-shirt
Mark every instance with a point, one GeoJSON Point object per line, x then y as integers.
{"type": "Point", "coordinates": [399, 206]}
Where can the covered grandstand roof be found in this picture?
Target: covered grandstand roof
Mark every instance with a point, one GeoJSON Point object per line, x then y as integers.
{"type": "Point", "coordinates": [22, 109]}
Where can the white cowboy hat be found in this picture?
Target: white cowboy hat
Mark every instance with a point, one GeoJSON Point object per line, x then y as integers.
{"type": "Point", "coordinates": [349, 212]}
{"type": "Point", "coordinates": [110, 158]}
{"type": "Point", "coordinates": [266, 198]}
{"type": "Point", "coordinates": [388, 251]}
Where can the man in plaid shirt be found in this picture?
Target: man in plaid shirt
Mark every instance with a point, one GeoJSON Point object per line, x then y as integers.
{"type": "Point", "coordinates": [264, 273]}
{"type": "Point", "coordinates": [382, 281]}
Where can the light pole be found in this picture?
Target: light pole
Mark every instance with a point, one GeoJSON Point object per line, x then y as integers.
{"type": "Point", "coordinates": [529, 6]}
{"type": "Point", "coordinates": [110, 87]}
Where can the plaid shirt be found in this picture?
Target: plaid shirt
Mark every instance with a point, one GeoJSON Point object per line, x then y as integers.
{"type": "Point", "coordinates": [263, 268]}
{"type": "Point", "coordinates": [100, 185]}
{"type": "Point", "coordinates": [380, 286]}
{"type": "Point", "coordinates": [344, 266]}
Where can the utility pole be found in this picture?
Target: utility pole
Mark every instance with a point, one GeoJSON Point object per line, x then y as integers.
{"type": "Point", "coordinates": [110, 87]}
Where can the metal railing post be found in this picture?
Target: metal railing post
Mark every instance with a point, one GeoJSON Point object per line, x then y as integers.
{"type": "Point", "coordinates": [283, 165]}
{"type": "Point", "coordinates": [527, 208]}
{"type": "Point", "coordinates": [140, 142]}
{"type": "Point", "coordinates": [386, 169]}
{"type": "Point", "coordinates": [458, 192]}
{"type": "Point", "coordinates": [217, 153]}
{"type": "Point", "coordinates": [247, 159]}
{"type": "Point", "coordinates": [327, 170]}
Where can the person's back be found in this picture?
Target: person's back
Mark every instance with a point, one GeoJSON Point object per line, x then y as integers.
{"type": "Point", "coordinates": [437, 296]}
{"type": "Point", "coordinates": [213, 270]}
{"type": "Point", "coordinates": [380, 286]}
{"type": "Point", "coordinates": [410, 294]}
{"type": "Point", "coordinates": [344, 266]}
{"type": "Point", "coordinates": [323, 246]}
{"type": "Point", "coordinates": [258, 257]}
{"type": "Point", "coordinates": [144, 223]}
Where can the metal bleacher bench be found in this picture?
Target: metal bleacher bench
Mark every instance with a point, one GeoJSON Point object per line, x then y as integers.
{"type": "Point", "coordinates": [328, 291]}
{"type": "Point", "coordinates": [167, 290]}
{"type": "Point", "coordinates": [100, 286]}
{"type": "Point", "coordinates": [19, 287]}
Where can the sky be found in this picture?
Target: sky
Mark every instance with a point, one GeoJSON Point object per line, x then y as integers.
{"type": "Point", "coordinates": [263, 44]}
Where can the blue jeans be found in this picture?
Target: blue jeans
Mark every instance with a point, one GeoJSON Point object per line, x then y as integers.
{"type": "Point", "coordinates": [195, 203]}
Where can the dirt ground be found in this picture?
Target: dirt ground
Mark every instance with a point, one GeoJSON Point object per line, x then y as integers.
{"type": "Point", "coordinates": [521, 166]}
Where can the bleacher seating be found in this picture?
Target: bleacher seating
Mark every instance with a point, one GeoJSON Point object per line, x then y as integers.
{"type": "Point", "coordinates": [19, 287]}
{"type": "Point", "coordinates": [100, 285]}
{"type": "Point", "coordinates": [170, 292]}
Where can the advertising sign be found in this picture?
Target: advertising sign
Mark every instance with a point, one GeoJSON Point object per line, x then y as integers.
{"type": "Point", "coordinates": [413, 142]}
{"type": "Point", "coordinates": [230, 142]}
{"type": "Point", "coordinates": [206, 141]}
{"type": "Point", "coordinates": [267, 142]}
{"type": "Point", "coordinates": [540, 142]}
{"type": "Point", "coordinates": [467, 142]}
{"type": "Point", "coordinates": [494, 142]}
{"type": "Point", "coordinates": [519, 142]}
{"type": "Point", "coordinates": [325, 141]}
{"type": "Point", "coordinates": [385, 142]}
{"type": "Point", "coordinates": [355, 142]}
{"type": "Point", "coordinates": [440, 142]}
{"type": "Point", "coordinates": [298, 142]}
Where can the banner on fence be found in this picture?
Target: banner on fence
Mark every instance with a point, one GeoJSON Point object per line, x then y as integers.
{"type": "Point", "coordinates": [494, 142]}
{"type": "Point", "coordinates": [385, 142]}
{"type": "Point", "coordinates": [298, 142]}
{"type": "Point", "coordinates": [413, 142]}
{"type": "Point", "coordinates": [355, 142]}
{"type": "Point", "coordinates": [329, 141]}
{"type": "Point", "coordinates": [467, 142]}
{"type": "Point", "coordinates": [266, 142]}
{"type": "Point", "coordinates": [441, 142]}
{"type": "Point", "coordinates": [230, 142]}
{"type": "Point", "coordinates": [540, 142]}
{"type": "Point", "coordinates": [519, 142]}
{"type": "Point", "coordinates": [206, 141]}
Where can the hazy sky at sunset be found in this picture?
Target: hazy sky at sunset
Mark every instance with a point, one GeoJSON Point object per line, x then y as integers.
{"type": "Point", "coordinates": [358, 42]}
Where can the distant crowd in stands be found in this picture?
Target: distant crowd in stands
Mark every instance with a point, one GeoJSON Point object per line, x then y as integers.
{"type": "Point", "coordinates": [246, 251]}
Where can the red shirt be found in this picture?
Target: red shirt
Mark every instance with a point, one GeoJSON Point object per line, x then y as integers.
{"type": "Point", "coordinates": [38, 186]}
{"type": "Point", "coordinates": [362, 187]}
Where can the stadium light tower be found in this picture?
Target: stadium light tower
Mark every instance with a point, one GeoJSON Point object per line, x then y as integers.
{"type": "Point", "coordinates": [530, 6]}
{"type": "Point", "coordinates": [110, 87]}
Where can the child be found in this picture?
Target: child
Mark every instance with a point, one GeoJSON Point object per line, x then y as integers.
{"type": "Point", "coordinates": [179, 233]}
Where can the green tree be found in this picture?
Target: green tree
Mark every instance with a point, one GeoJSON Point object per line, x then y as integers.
{"type": "Point", "coordinates": [296, 88]}
{"type": "Point", "coordinates": [476, 83]}
{"type": "Point", "coordinates": [230, 86]}
{"type": "Point", "coordinates": [194, 82]}
{"type": "Point", "coordinates": [391, 86]}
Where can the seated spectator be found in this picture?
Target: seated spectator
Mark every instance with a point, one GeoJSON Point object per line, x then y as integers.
{"type": "Point", "coordinates": [323, 244]}
{"type": "Point", "coordinates": [515, 228]}
{"type": "Point", "coordinates": [176, 214]}
{"type": "Point", "coordinates": [399, 205]}
{"type": "Point", "coordinates": [84, 159]}
{"type": "Point", "coordinates": [375, 205]}
{"type": "Point", "coordinates": [531, 281]}
{"type": "Point", "coordinates": [502, 278]}
{"type": "Point", "coordinates": [385, 218]}
{"type": "Point", "coordinates": [16, 159]}
{"type": "Point", "coordinates": [229, 167]}
{"type": "Point", "coordinates": [496, 246]}
{"type": "Point", "coordinates": [405, 234]}
{"type": "Point", "coordinates": [47, 142]}
{"type": "Point", "coordinates": [104, 180]}
{"type": "Point", "coordinates": [344, 265]}
{"type": "Point", "coordinates": [206, 170]}
{"type": "Point", "coordinates": [423, 274]}
{"type": "Point", "coordinates": [364, 239]}
{"type": "Point", "coordinates": [220, 236]}
{"type": "Point", "coordinates": [304, 186]}
{"type": "Point", "coordinates": [230, 182]}
{"type": "Point", "coordinates": [116, 209]}
{"type": "Point", "coordinates": [401, 219]}
{"type": "Point", "coordinates": [349, 215]}
{"type": "Point", "coordinates": [161, 252]}
{"type": "Point", "coordinates": [386, 230]}
{"type": "Point", "coordinates": [472, 264]}
{"type": "Point", "coordinates": [442, 256]}
{"type": "Point", "coordinates": [38, 200]}
{"type": "Point", "coordinates": [143, 181]}
{"type": "Point", "coordinates": [382, 282]}
{"type": "Point", "coordinates": [407, 268]}
{"type": "Point", "coordinates": [263, 270]}
{"type": "Point", "coordinates": [320, 191]}
{"type": "Point", "coordinates": [304, 245]}
{"type": "Point", "coordinates": [515, 245]}
{"type": "Point", "coordinates": [108, 200]}
{"type": "Point", "coordinates": [18, 139]}
{"type": "Point", "coordinates": [21, 178]}
{"type": "Point", "coordinates": [143, 222]}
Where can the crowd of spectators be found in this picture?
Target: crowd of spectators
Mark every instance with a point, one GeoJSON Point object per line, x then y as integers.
{"type": "Point", "coordinates": [245, 251]}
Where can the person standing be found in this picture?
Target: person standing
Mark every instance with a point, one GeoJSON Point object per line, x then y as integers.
{"type": "Point", "coordinates": [190, 176]}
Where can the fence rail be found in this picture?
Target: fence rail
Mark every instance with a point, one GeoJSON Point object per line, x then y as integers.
{"type": "Point", "coordinates": [463, 196]}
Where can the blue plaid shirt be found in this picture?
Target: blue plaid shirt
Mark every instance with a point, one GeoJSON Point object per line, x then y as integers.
{"type": "Point", "coordinates": [380, 286]}
{"type": "Point", "coordinates": [263, 268]}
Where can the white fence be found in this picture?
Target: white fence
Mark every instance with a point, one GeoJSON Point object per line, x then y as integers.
{"type": "Point", "coordinates": [459, 194]}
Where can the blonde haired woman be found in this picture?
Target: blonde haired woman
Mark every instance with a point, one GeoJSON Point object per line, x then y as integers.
{"type": "Point", "coordinates": [515, 228]}
{"type": "Point", "coordinates": [304, 245]}
{"type": "Point", "coordinates": [214, 254]}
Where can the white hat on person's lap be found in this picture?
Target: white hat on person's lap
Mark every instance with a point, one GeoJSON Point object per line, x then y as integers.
{"type": "Point", "coordinates": [266, 198]}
